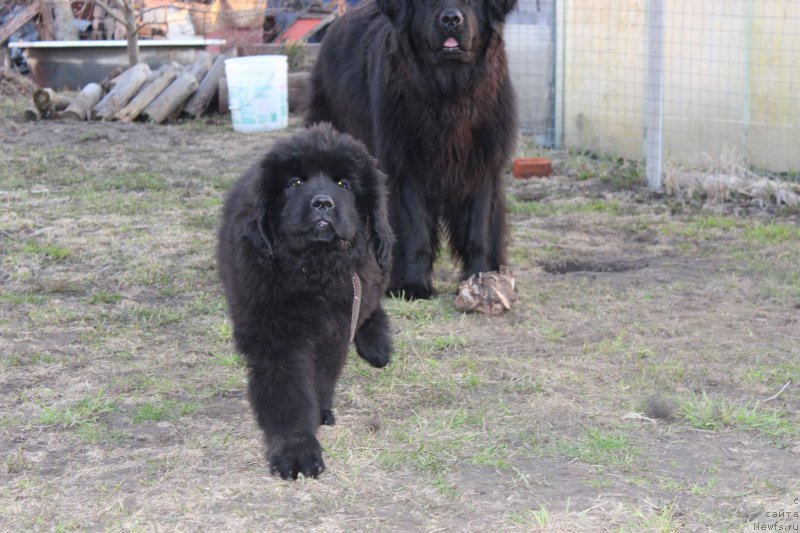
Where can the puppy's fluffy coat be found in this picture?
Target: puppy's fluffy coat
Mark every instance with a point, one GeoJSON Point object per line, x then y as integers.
{"type": "Point", "coordinates": [303, 230]}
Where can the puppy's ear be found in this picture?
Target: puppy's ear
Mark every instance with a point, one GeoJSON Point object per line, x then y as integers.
{"type": "Point", "coordinates": [398, 11]}
{"type": "Point", "coordinates": [259, 228]}
{"type": "Point", "coordinates": [498, 9]}
{"type": "Point", "coordinates": [259, 233]}
{"type": "Point", "coordinates": [380, 229]}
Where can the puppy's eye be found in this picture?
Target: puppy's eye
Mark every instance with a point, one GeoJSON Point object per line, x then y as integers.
{"type": "Point", "coordinates": [344, 184]}
{"type": "Point", "coordinates": [295, 182]}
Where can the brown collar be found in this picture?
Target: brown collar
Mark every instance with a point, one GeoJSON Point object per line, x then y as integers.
{"type": "Point", "coordinates": [356, 305]}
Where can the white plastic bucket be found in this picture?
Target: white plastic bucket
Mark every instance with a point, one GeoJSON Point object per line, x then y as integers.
{"type": "Point", "coordinates": [257, 92]}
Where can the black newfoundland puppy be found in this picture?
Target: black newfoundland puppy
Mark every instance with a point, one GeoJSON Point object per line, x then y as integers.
{"type": "Point", "coordinates": [424, 83]}
{"type": "Point", "coordinates": [304, 255]}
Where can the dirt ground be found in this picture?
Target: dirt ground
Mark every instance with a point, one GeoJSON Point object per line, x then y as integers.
{"type": "Point", "coordinates": [648, 378]}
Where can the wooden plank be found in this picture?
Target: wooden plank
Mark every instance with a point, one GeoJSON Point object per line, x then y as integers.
{"type": "Point", "coordinates": [15, 24]}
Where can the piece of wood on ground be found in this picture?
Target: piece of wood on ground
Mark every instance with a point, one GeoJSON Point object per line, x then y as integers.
{"type": "Point", "coordinates": [162, 78]}
{"type": "Point", "coordinates": [49, 101]}
{"type": "Point", "coordinates": [81, 106]}
{"type": "Point", "coordinates": [32, 114]}
{"type": "Point", "coordinates": [222, 97]}
{"type": "Point", "coordinates": [126, 88]}
{"type": "Point", "coordinates": [172, 99]}
{"type": "Point", "coordinates": [207, 89]}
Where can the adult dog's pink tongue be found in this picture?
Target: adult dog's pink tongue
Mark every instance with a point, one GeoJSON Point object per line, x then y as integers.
{"type": "Point", "coordinates": [450, 43]}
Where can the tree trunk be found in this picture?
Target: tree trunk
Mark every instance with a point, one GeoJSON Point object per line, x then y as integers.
{"type": "Point", "coordinates": [45, 27]}
{"type": "Point", "coordinates": [208, 88]}
{"type": "Point", "coordinates": [162, 79]}
{"type": "Point", "coordinates": [133, 37]}
{"type": "Point", "coordinates": [63, 22]}
{"type": "Point", "coordinates": [81, 106]}
{"type": "Point", "coordinates": [128, 84]}
{"type": "Point", "coordinates": [172, 98]}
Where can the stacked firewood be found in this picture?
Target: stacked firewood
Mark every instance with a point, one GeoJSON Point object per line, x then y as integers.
{"type": "Point", "coordinates": [168, 93]}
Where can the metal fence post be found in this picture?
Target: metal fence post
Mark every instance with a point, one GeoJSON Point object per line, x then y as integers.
{"type": "Point", "coordinates": [654, 134]}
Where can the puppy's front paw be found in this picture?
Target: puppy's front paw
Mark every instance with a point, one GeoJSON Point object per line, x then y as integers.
{"type": "Point", "coordinates": [290, 456]}
{"type": "Point", "coordinates": [373, 341]}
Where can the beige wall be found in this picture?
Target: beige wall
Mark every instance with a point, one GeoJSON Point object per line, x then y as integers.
{"type": "Point", "coordinates": [731, 78]}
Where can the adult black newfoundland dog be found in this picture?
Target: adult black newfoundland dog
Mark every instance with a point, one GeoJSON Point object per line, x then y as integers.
{"type": "Point", "coordinates": [424, 83]}
{"type": "Point", "coordinates": [304, 255]}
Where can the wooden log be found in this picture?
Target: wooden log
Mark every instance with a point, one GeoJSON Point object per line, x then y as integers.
{"type": "Point", "coordinates": [81, 106]}
{"type": "Point", "coordinates": [48, 101]}
{"type": "Point", "coordinates": [222, 97]}
{"type": "Point", "coordinates": [32, 114]}
{"type": "Point", "coordinates": [123, 92]}
{"type": "Point", "coordinates": [162, 78]}
{"type": "Point", "coordinates": [112, 79]}
{"type": "Point", "coordinates": [199, 67]}
{"type": "Point", "coordinates": [207, 89]}
{"type": "Point", "coordinates": [171, 99]}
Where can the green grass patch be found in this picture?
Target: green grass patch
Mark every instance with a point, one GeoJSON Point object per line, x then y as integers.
{"type": "Point", "coordinates": [518, 205]}
{"type": "Point", "coordinates": [705, 412]}
{"type": "Point", "coordinates": [51, 251]}
{"type": "Point", "coordinates": [230, 359]}
{"type": "Point", "coordinates": [530, 518]}
{"type": "Point", "coordinates": [703, 227]}
{"type": "Point", "coordinates": [29, 298]}
{"type": "Point", "coordinates": [772, 233]}
{"type": "Point", "coordinates": [104, 297]}
{"type": "Point", "coordinates": [773, 374]}
{"type": "Point", "coordinates": [599, 447]}
{"type": "Point", "coordinates": [133, 181]}
{"type": "Point", "coordinates": [167, 410]}
{"type": "Point", "coordinates": [87, 410]}
{"type": "Point", "coordinates": [34, 358]}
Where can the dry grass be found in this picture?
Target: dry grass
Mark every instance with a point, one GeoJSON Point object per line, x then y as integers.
{"type": "Point", "coordinates": [122, 404]}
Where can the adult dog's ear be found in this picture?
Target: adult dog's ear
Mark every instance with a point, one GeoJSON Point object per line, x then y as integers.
{"type": "Point", "coordinates": [380, 229]}
{"type": "Point", "coordinates": [499, 9]}
{"type": "Point", "coordinates": [398, 11]}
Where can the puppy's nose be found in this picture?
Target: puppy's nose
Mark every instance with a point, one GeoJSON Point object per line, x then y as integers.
{"type": "Point", "coordinates": [322, 202]}
{"type": "Point", "coordinates": [451, 18]}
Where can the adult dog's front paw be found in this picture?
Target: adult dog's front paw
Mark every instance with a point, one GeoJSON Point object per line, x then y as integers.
{"type": "Point", "coordinates": [290, 456]}
{"type": "Point", "coordinates": [411, 291]}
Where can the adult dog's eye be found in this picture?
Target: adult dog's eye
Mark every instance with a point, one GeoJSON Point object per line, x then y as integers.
{"type": "Point", "coordinates": [295, 182]}
{"type": "Point", "coordinates": [344, 184]}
